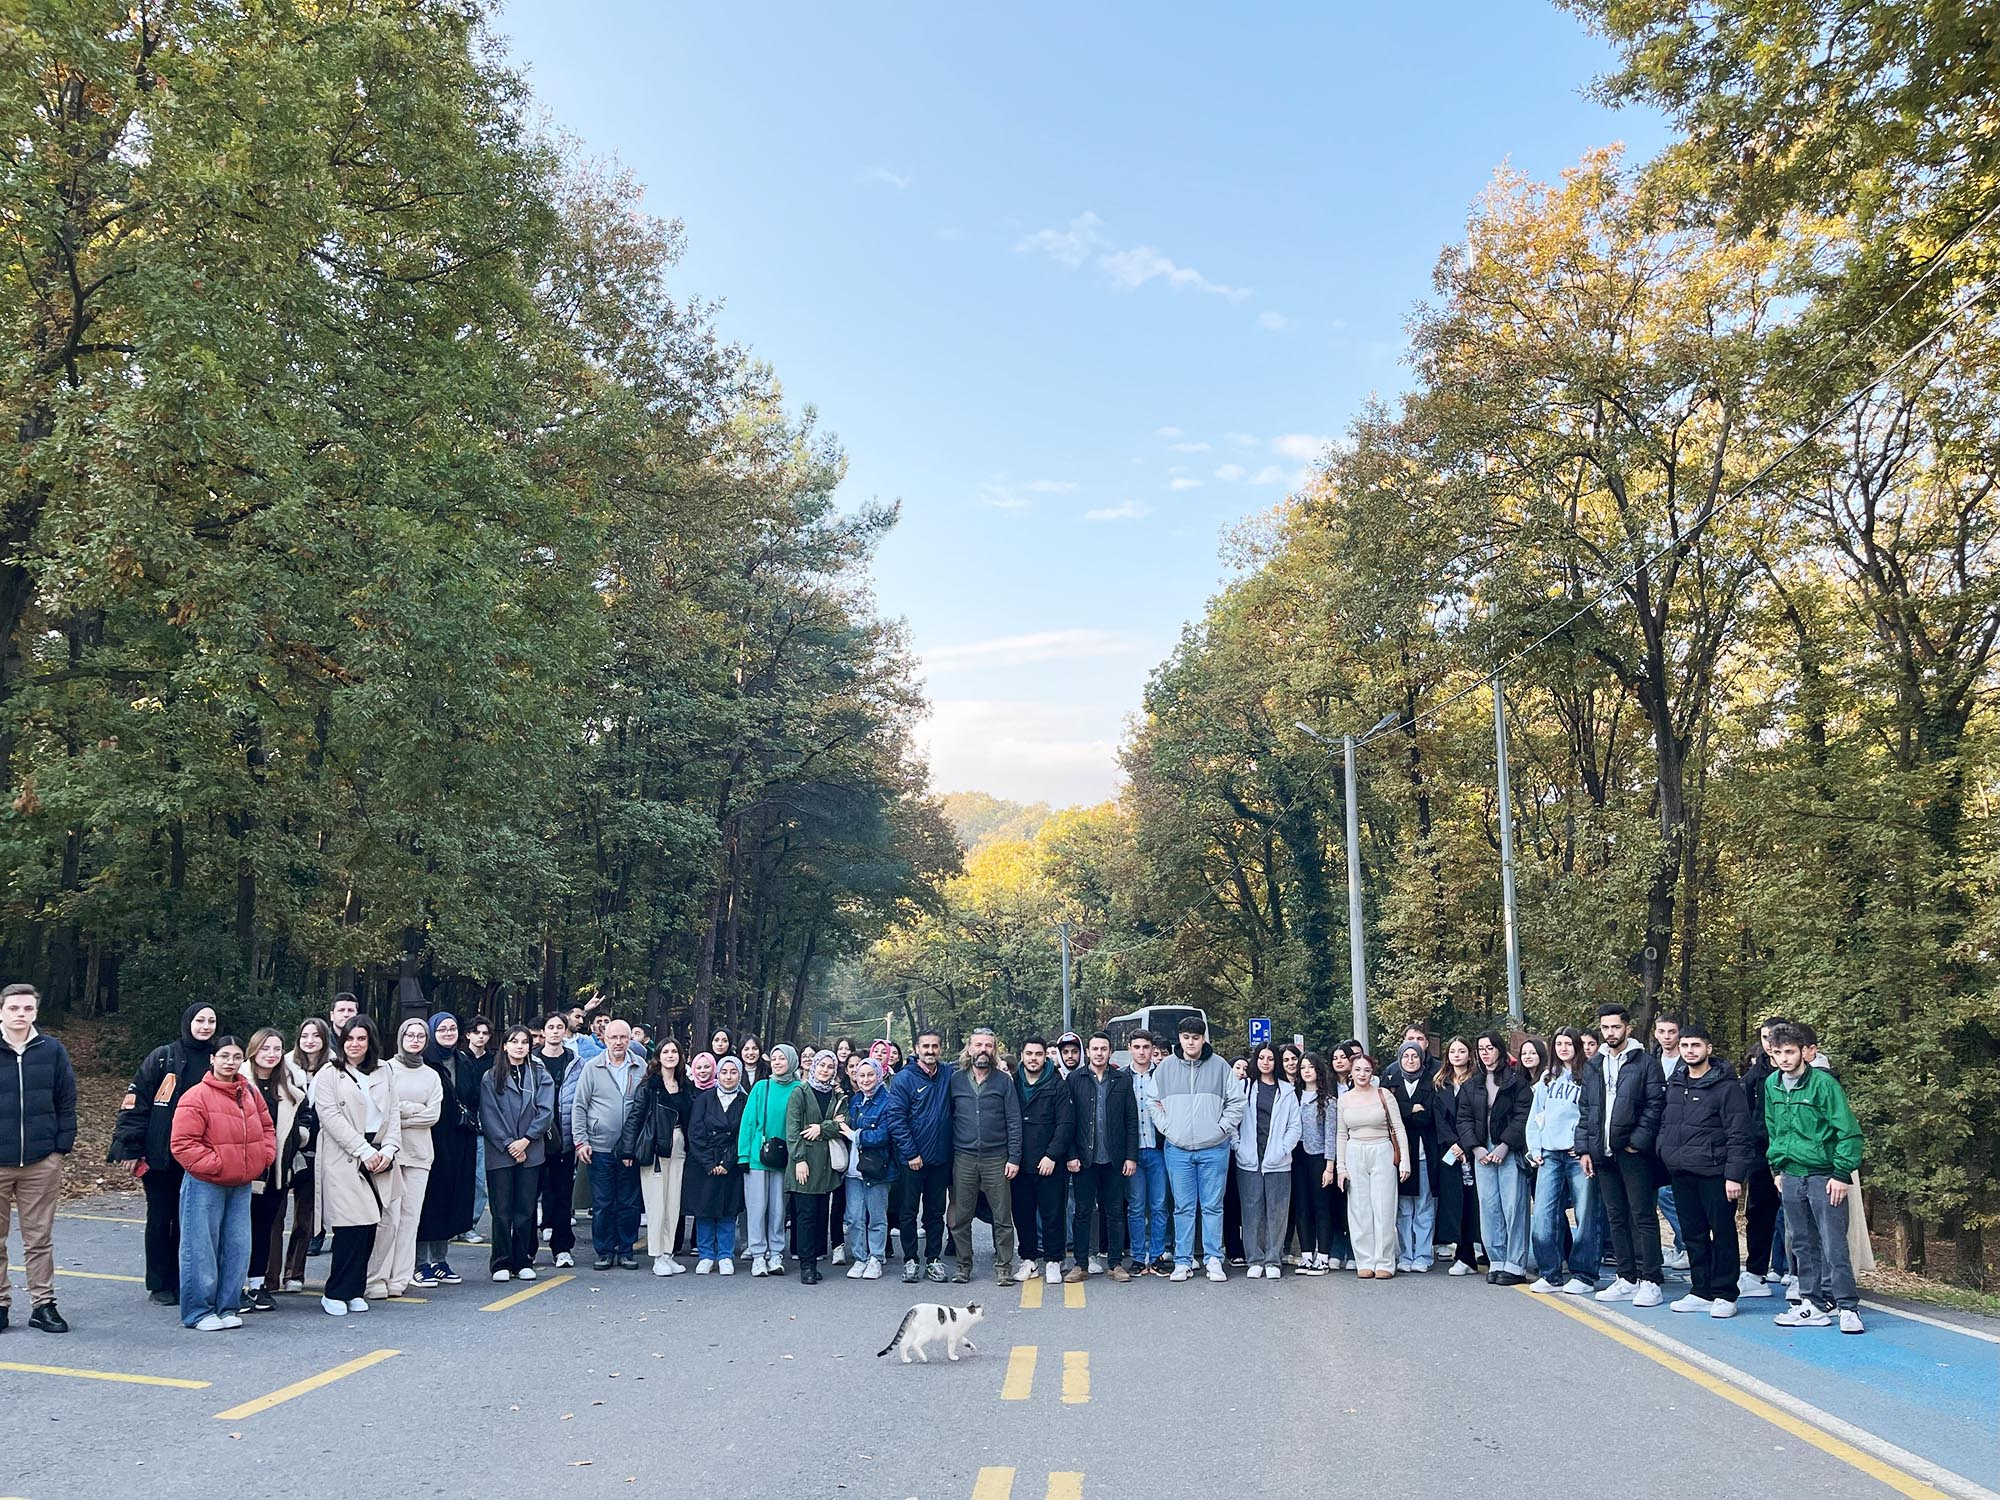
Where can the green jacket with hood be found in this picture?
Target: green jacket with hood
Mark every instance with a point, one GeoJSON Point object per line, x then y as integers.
{"type": "Point", "coordinates": [1813, 1132]}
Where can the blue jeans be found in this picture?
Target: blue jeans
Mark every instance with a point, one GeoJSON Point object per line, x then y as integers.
{"type": "Point", "coordinates": [1146, 1207]}
{"type": "Point", "coordinates": [1199, 1179]}
{"type": "Point", "coordinates": [1416, 1222]}
{"type": "Point", "coordinates": [479, 1183]}
{"type": "Point", "coordinates": [215, 1248]}
{"type": "Point", "coordinates": [715, 1239]}
{"type": "Point", "coordinates": [1561, 1184]}
{"type": "Point", "coordinates": [1503, 1212]}
{"type": "Point", "coordinates": [867, 1218]}
{"type": "Point", "coordinates": [614, 1204]}
{"type": "Point", "coordinates": [1666, 1201]}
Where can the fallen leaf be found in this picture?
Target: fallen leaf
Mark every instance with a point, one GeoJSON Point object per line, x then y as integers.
{"type": "Point", "coordinates": [565, 1416]}
{"type": "Point", "coordinates": [597, 1403]}
{"type": "Point", "coordinates": [235, 1437]}
{"type": "Point", "coordinates": [581, 1463]}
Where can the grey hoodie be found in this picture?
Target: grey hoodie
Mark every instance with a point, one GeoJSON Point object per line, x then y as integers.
{"type": "Point", "coordinates": [1196, 1104]}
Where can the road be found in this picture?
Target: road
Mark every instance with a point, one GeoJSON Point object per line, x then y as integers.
{"type": "Point", "coordinates": [620, 1383]}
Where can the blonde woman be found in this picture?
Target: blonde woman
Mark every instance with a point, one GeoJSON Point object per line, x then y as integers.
{"type": "Point", "coordinates": [1372, 1156]}
{"type": "Point", "coordinates": [392, 1265]}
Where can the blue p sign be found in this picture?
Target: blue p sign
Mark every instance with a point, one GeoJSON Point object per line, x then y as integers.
{"type": "Point", "coordinates": [1260, 1030]}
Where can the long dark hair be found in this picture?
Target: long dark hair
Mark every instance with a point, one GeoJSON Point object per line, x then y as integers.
{"type": "Point", "coordinates": [314, 1023]}
{"type": "Point", "coordinates": [372, 1060]}
{"type": "Point", "coordinates": [1295, 1054]}
{"type": "Point", "coordinates": [503, 1066]}
{"type": "Point", "coordinates": [1322, 1084]}
{"type": "Point", "coordinates": [1479, 1070]}
{"type": "Point", "coordinates": [1544, 1055]}
{"type": "Point", "coordinates": [1256, 1063]}
{"type": "Point", "coordinates": [1574, 1067]}
{"type": "Point", "coordinates": [680, 1065]}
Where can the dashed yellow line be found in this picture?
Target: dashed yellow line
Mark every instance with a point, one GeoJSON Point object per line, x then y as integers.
{"type": "Point", "coordinates": [1076, 1377]}
{"type": "Point", "coordinates": [1065, 1484]}
{"type": "Point", "coordinates": [1031, 1292]}
{"type": "Point", "coordinates": [993, 1484]}
{"type": "Point", "coordinates": [112, 1375]}
{"type": "Point", "coordinates": [301, 1387]}
{"type": "Point", "coordinates": [549, 1284]}
{"type": "Point", "coordinates": [1020, 1381]}
{"type": "Point", "coordinates": [1072, 1294]}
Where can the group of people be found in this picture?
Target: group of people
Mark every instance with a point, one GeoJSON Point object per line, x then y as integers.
{"type": "Point", "coordinates": [388, 1152]}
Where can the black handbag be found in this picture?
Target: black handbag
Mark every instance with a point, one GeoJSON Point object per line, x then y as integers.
{"type": "Point", "coordinates": [873, 1166]}
{"type": "Point", "coordinates": [773, 1153]}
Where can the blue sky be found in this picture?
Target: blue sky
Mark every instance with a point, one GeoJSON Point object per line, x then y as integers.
{"type": "Point", "coordinates": [1081, 286]}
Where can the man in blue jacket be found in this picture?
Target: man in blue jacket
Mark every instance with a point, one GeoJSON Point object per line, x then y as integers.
{"type": "Point", "coordinates": [920, 1126]}
{"type": "Point", "coordinates": [37, 1132]}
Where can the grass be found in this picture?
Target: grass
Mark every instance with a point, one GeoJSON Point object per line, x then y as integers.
{"type": "Point", "coordinates": [1927, 1289]}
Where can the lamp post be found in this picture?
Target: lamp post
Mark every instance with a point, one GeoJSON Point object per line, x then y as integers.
{"type": "Point", "coordinates": [1357, 943]}
{"type": "Point", "coordinates": [1507, 918]}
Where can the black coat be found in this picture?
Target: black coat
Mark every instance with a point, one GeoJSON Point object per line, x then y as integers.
{"type": "Point", "coordinates": [1705, 1128]}
{"type": "Point", "coordinates": [1048, 1120]}
{"type": "Point", "coordinates": [1121, 1117]}
{"type": "Point", "coordinates": [145, 1123]}
{"type": "Point", "coordinates": [37, 1102]}
{"type": "Point", "coordinates": [1635, 1112]}
{"type": "Point", "coordinates": [1505, 1123]}
{"type": "Point", "coordinates": [651, 1117]}
{"type": "Point", "coordinates": [448, 1197]}
{"type": "Point", "coordinates": [1423, 1120]}
{"type": "Point", "coordinates": [1754, 1073]}
{"type": "Point", "coordinates": [711, 1143]}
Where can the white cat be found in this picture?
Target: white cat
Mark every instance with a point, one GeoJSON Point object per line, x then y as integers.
{"type": "Point", "coordinates": [927, 1322]}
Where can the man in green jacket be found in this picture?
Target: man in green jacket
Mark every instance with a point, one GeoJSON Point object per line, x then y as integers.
{"type": "Point", "coordinates": [1814, 1152]}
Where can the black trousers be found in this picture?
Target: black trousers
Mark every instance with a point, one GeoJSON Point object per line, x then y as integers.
{"type": "Point", "coordinates": [557, 1191]}
{"type": "Point", "coordinates": [511, 1192]}
{"type": "Point", "coordinates": [347, 1273]}
{"type": "Point", "coordinates": [808, 1226]}
{"type": "Point", "coordinates": [163, 1228]}
{"type": "Point", "coordinates": [1312, 1205]}
{"type": "Point", "coordinates": [1633, 1210]}
{"type": "Point", "coordinates": [929, 1187]}
{"type": "Point", "coordinates": [1100, 1186]}
{"type": "Point", "coordinates": [1760, 1217]}
{"type": "Point", "coordinates": [1232, 1215]}
{"type": "Point", "coordinates": [1708, 1234]}
{"type": "Point", "coordinates": [1038, 1213]}
{"type": "Point", "coordinates": [267, 1234]}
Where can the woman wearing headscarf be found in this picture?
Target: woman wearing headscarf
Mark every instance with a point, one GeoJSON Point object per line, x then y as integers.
{"type": "Point", "coordinates": [713, 1188]}
{"type": "Point", "coordinates": [143, 1135]}
{"type": "Point", "coordinates": [420, 1102]}
{"type": "Point", "coordinates": [654, 1142]}
{"type": "Point", "coordinates": [447, 1211]}
{"type": "Point", "coordinates": [870, 1170]}
{"type": "Point", "coordinates": [701, 1071]}
{"type": "Point", "coordinates": [761, 1152]}
{"type": "Point", "coordinates": [813, 1122]}
{"type": "Point", "coordinates": [361, 1134]}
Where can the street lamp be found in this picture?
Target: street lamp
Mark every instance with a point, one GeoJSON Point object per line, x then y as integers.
{"type": "Point", "coordinates": [1357, 955]}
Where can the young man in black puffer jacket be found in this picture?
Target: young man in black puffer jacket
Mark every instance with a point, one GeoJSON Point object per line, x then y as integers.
{"type": "Point", "coordinates": [1705, 1144]}
{"type": "Point", "coordinates": [37, 1133]}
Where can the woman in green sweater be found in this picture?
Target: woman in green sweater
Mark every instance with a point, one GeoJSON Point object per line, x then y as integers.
{"type": "Point", "coordinates": [760, 1148]}
{"type": "Point", "coordinates": [814, 1122]}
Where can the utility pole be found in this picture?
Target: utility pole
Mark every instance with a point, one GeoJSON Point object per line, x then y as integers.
{"type": "Point", "coordinates": [1063, 928]}
{"type": "Point", "coordinates": [1357, 950]}
{"type": "Point", "coordinates": [1507, 917]}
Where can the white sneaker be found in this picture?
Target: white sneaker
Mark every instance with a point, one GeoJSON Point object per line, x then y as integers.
{"type": "Point", "coordinates": [1791, 1285]}
{"type": "Point", "coordinates": [209, 1323]}
{"type": "Point", "coordinates": [1541, 1284]}
{"type": "Point", "coordinates": [854, 1271]}
{"type": "Point", "coordinates": [1215, 1271]}
{"type": "Point", "coordinates": [332, 1308]}
{"type": "Point", "coordinates": [1690, 1303]}
{"type": "Point", "coordinates": [564, 1258]}
{"type": "Point", "coordinates": [1256, 1273]}
{"type": "Point", "coordinates": [674, 1267]}
{"type": "Point", "coordinates": [1675, 1259]}
{"type": "Point", "coordinates": [357, 1304]}
{"type": "Point", "coordinates": [1272, 1273]}
{"type": "Point", "coordinates": [1053, 1273]}
{"type": "Point", "coordinates": [660, 1264]}
{"type": "Point", "coordinates": [760, 1267]}
{"type": "Point", "coordinates": [1459, 1268]}
{"type": "Point", "coordinates": [1576, 1286]}
{"type": "Point", "coordinates": [526, 1273]}
{"type": "Point", "coordinates": [1097, 1265]}
{"type": "Point", "coordinates": [1421, 1267]}
{"type": "Point", "coordinates": [1646, 1294]}
{"type": "Point", "coordinates": [727, 1268]}
{"type": "Point", "coordinates": [872, 1271]}
{"type": "Point", "coordinates": [703, 1267]}
{"type": "Point", "coordinates": [231, 1320]}
{"type": "Point", "coordinates": [840, 1255]}
{"type": "Point", "coordinates": [1620, 1290]}
{"type": "Point", "coordinates": [1181, 1273]}
{"type": "Point", "coordinates": [774, 1265]}
{"type": "Point", "coordinates": [294, 1285]}
{"type": "Point", "coordinates": [1750, 1284]}
{"type": "Point", "coordinates": [503, 1275]}
{"type": "Point", "coordinates": [1803, 1315]}
{"type": "Point", "coordinates": [1722, 1307]}
{"type": "Point", "coordinates": [1850, 1321]}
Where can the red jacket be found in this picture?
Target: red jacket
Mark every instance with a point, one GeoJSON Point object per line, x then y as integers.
{"type": "Point", "coordinates": [223, 1133]}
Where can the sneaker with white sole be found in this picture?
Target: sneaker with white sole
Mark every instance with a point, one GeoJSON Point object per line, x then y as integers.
{"type": "Point", "coordinates": [1791, 1285]}
{"type": "Point", "coordinates": [1541, 1284]}
{"type": "Point", "coordinates": [503, 1275]}
{"type": "Point", "coordinates": [1803, 1315]}
{"type": "Point", "coordinates": [1459, 1268]}
{"type": "Point", "coordinates": [332, 1308]}
{"type": "Point", "coordinates": [1576, 1286]}
{"type": "Point", "coordinates": [1256, 1273]}
{"type": "Point", "coordinates": [911, 1271]}
{"type": "Point", "coordinates": [760, 1267]}
{"type": "Point", "coordinates": [703, 1266]}
{"type": "Point", "coordinates": [293, 1284]}
{"type": "Point", "coordinates": [1750, 1284]}
{"type": "Point", "coordinates": [208, 1323]}
{"type": "Point", "coordinates": [854, 1271]}
{"type": "Point", "coordinates": [840, 1255]}
{"type": "Point", "coordinates": [675, 1268]}
{"type": "Point", "coordinates": [1646, 1294]}
{"type": "Point", "coordinates": [661, 1263]}
{"type": "Point", "coordinates": [1181, 1273]}
{"type": "Point", "coordinates": [526, 1273]}
{"type": "Point", "coordinates": [233, 1320]}
{"type": "Point", "coordinates": [1052, 1273]}
{"type": "Point", "coordinates": [1097, 1265]}
{"type": "Point", "coordinates": [1215, 1271]}
{"type": "Point", "coordinates": [564, 1258]}
{"type": "Point", "coordinates": [1722, 1307]}
{"type": "Point", "coordinates": [357, 1304]}
{"type": "Point", "coordinates": [872, 1271]}
{"type": "Point", "coordinates": [1850, 1321]}
{"type": "Point", "coordinates": [726, 1268]}
{"type": "Point", "coordinates": [1690, 1304]}
{"type": "Point", "coordinates": [1620, 1290]}
{"type": "Point", "coordinates": [1675, 1260]}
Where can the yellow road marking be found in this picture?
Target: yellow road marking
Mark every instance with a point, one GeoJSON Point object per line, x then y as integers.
{"type": "Point", "coordinates": [1072, 1294]}
{"type": "Point", "coordinates": [1076, 1377]}
{"type": "Point", "coordinates": [1065, 1484]}
{"type": "Point", "coordinates": [993, 1484]}
{"type": "Point", "coordinates": [90, 1276]}
{"type": "Point", "coordinates": [517, 1298]}
{"type": "Point", "coordinates": [112, 1375]}
{"type": "Point", "coordinates": [302, 1387]}
{"type": "Point", "coordinates": [1031, 1292]}
{"type": "Point", "coordinates": [106, 1219]}
{"type": "Point", "coordinates": [1020, 1381]}
{"type": "Point", "coordinates": [1897, 1480]}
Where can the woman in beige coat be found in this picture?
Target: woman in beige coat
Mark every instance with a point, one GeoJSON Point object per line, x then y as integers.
{"type": "Point", "coordinates": [419, 1102]}
{"type": "Point", "coordinates": [360, 1136]}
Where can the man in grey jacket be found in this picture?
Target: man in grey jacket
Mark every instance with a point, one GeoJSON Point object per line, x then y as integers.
{"type": "Point", "coordinates": [604, 1084]}
{"type": "Point", "coordinates": [985, 1152]}
{"type": "Point", "coordinates": [1196, 1106]}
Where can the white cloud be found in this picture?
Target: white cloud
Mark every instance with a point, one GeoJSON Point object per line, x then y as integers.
{"type": "Point", "coordinates": [1002, 496]}
{"type": "Point", "coordinates": [1269, 474]}
{"type": "Point", "coordinates": [1187, 448]}
{"type": "Point", "coordinates": [1300, 447]}
{"type": "Point", "coordinates": [1125, 510]}
{"type": "Point", "coordinates": [1229, 473]}
{"type": "Point", "coordinates": [1063, 754]}
{"type": "Point", "coordinates": [1274, 322]}
{"type": "Point", "coordinates": [1051, 486]}
{"type": "Point", "coordinates": [1242, 439]}
{"type": "Point", "coordinates": [1083, 239]}
{"type": "Point", "coordinates": [1168, 432]}
{"type": "Point", "coordinates": [1021, 650]}
{"type": "Point", "coordinates": [883, 177]}
{"type": "Point", "coordinates": [1184, 483]}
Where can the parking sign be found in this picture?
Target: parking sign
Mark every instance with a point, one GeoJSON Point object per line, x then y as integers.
{"type": "Point", "coordinates": [1260, 1030]}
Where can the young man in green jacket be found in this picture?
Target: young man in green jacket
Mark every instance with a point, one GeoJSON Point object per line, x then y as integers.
{"type": "Point", "coordinates": [1814, 1152]}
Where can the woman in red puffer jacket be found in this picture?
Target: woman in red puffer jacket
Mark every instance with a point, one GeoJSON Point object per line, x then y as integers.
{"type": "Point", "coordinates": [224, 1141]}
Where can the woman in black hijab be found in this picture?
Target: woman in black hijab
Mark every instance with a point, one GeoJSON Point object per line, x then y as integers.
{"type": "Point", "coordinates": [455, 1144]}
{"type": "Point", "coordinates": [142, 1136]}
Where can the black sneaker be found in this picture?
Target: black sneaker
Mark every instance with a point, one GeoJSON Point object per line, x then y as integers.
{"type": "Point", "coordinates": [164, 1298]}
{"type": "Point", "coordinates": [959, 1278]}
{"type": "Point", "coordinates": [603, 1263]}
{"type": "Point", "coordinates": [47, 1319]}
{"type": "Point", "coordinates": [260, 1300]}
{"type": "Point", "coordinates": [933, 1271]}
{"type": "Point", "coordinates": [3, 1317]}
{"type": "Point", "coordinates": [446, 1275]}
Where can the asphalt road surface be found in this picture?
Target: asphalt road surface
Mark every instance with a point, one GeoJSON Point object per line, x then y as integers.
{"type": "Point", "coordinates": [619, 1383]}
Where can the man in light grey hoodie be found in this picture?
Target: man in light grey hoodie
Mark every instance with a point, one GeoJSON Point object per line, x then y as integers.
{"type": "Point", "coordinates": [604, 1084]}
{"type": "Point", "coordinates": [1196, 1106]}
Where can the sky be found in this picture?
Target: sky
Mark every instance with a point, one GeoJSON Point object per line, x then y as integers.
{"type": "Point", "coordinates": [1082, 287]}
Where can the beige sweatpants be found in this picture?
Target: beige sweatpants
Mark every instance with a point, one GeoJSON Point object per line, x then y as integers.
{"type": "Point", "coordinates": [660, 1191]}
{"type": "Point", "coordinates": [393, 1261]}
{"type": "Point", "coordinates": [1371, 1204]}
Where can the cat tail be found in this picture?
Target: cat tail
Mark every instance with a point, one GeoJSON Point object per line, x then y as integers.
{"type": "Point", "coordinates": [901, 1329]}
